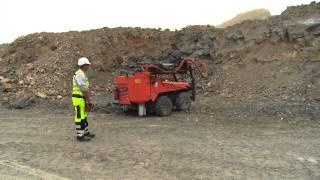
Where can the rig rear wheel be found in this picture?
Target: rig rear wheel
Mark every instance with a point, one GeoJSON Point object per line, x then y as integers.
{"type": "Point", "coordinates": [183, 102]}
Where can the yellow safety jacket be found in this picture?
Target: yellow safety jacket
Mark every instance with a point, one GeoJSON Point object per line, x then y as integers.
{"type": "Point", "coordinates": [76, 91]}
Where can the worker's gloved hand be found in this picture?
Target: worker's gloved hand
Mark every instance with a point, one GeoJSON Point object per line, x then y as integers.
{"type": "Point", "coordinates": [89, 107]}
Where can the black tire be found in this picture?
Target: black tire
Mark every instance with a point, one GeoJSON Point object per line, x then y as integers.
{"type": "Point", "coordinates": [163, 106]}
{"type": "Point", "coordinates": [183, 102]}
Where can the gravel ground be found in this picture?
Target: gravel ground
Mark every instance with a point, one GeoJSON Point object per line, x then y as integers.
{"type": "Point", "coordinates": [41, 144]}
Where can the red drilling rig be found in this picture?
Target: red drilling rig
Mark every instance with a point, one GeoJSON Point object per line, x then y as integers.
{"type": "Point", "coordinates": [158, 88]}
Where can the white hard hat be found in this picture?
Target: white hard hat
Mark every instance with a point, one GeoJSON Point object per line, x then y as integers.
{"type": "Point", "coordinates": [83, 61]}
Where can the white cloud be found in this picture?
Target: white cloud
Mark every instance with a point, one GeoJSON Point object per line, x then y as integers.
{"type": "Point", "coordinates": [21, 17]}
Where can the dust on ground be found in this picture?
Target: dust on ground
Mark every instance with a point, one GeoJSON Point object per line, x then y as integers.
{"type": "Point", "coordinates": [220, 139]}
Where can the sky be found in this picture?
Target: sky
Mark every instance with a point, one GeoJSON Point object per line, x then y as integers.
{"type": "Point", "coordinates": [22, 17]}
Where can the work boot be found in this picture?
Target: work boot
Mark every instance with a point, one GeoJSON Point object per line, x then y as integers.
{"type": "Point", "coordinates": [83, 138]}
{"type": "Point", "coordinates": [90, 135]}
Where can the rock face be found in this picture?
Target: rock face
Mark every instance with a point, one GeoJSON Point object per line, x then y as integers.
{"type": "Point", "coordinates": [257, 14]}
{"type": "Point", "coordinates": [3, 48]}
{"type": "Point", "coordinates": [276, 57]}
{"type": "Point", "coordinates": [45, 62]}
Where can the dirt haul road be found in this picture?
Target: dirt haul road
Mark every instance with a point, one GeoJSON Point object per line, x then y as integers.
{"type": "Point", "coordinates": [225, 143]}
